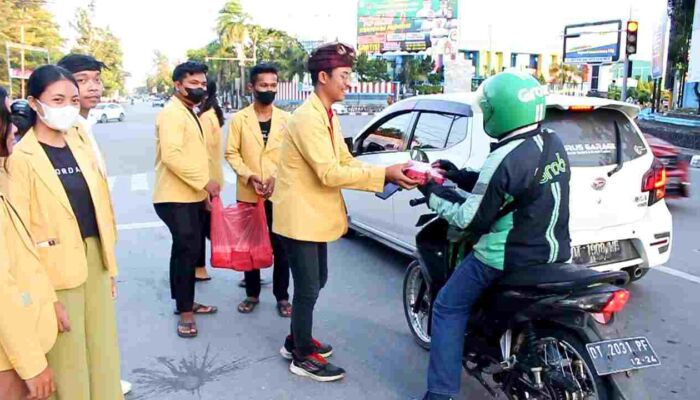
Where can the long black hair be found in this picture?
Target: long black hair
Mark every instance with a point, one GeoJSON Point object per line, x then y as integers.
{"type": "Point", "coordinates": [5, 122]}
{"type": "Point", "coordinates": [212, 102]}
{"type": "Point", "coordinates": [43, 77]}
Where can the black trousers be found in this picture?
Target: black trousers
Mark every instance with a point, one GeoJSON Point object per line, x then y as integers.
{"type": "Point", "coordinates": [308, 262]}
{"type": "Point", "coordinates": [206, 234]}
{"type": "Point", "coordinates": [280, 271]}
{"type": "Point", "coordinates": [184, 220]}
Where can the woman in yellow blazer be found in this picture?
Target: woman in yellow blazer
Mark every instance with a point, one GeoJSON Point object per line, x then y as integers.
{"type": "Point", "coordinates": [28, 322]}
{"type": "Point", "coordinates": [56, 186]}
{"type": "Point", "coordinates": [253, 148]}
{"type": "Point", "coordinates": [211, 116]}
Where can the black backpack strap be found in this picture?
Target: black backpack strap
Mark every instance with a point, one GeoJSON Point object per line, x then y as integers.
{"type": "Point", "coordinates": [531, 191]}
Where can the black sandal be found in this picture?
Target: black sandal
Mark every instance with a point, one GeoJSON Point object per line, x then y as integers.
{"type": "Point", "coordinates": [284, 309]}
{"type": "Point", "coordinates": [187, 330]}
{"type": "Point", "coordinates": [201, 309]}
{"type": "Point", "coordinates": [247, 306]}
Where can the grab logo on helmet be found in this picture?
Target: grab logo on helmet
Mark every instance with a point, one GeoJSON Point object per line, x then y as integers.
{"type": "Point", "coordinates": [527, 95]}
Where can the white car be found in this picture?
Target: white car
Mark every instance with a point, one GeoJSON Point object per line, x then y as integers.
{"type": "Point", "coordinates": [105, 112]}
{"type": "Point", "coordinates": [339, 108]}
{"type": "Point", "coordinates": [617, 222]}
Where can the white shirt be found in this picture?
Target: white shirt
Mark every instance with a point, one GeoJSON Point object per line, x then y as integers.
{"type": "Point", "coordinates": [87, 126]}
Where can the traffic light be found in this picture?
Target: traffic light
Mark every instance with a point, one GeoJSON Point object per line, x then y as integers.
{"type": "Point", "coordinates": [631, 43]}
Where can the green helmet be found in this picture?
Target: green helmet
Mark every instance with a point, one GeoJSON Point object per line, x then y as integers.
{"type": "Point", "coordinates": [511, 100]}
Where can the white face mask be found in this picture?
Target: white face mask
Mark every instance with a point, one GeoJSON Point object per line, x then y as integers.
{"type": "Point", "coordinates": [59, 118]}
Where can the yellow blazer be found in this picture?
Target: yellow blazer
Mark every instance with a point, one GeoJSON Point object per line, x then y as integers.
{"type": "Point", "coordinates": [28, 325]}
{"type": "Point", "coordinates": [247, 153]}
{"type": "Point", "coordinates": [313, 169]}
{"type": "Point", "coordinates": [212, 133]}
{"type": "Point", "coordinates": [182, 164]}
{"type": "Point", "coordinates": [42, 202]}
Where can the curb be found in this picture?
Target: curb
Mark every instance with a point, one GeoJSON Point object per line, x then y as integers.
{"type": "Point", "coordinates": [354, 114]}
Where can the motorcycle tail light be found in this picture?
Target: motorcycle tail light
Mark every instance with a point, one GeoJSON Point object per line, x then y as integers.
{"type": "Point", "coordinates": [616, 302]}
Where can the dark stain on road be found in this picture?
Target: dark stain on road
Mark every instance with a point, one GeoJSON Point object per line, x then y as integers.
{"type": "Point", "coordinates": [189, 374]}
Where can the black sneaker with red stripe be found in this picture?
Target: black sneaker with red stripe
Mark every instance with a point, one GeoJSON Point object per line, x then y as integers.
{"type": "Point", "coordinates": [324, 350]}
{"type": "Point", "coordinates": [316, 367]}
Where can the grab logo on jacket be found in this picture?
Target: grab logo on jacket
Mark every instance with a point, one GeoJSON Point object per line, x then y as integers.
{"type": "Point", "coordinates": [553, 169]}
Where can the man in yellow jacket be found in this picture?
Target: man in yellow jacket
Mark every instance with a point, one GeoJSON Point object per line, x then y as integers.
{"type": "Point", "coordinates": [184, 187]}
{"type": "Point", "coordinates": [254, 140]}
{"type": "Point", "coordinates": [309, 211]}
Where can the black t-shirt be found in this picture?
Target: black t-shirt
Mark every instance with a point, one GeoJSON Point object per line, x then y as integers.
{"type": "Point", "coordinates": [76, 188]}
{"type": "Point", "coordinates": [265, 127]}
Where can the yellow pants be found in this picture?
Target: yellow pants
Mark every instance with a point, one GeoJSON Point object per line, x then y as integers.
{"type": "Point", "coordinates": [85, 361]}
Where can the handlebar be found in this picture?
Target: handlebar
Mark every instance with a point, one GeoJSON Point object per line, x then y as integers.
{"type": "Point", "coordinates": [417, 202]}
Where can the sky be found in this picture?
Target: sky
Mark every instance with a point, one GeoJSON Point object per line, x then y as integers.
{"type": "Point", "coordinates": [174, 26]}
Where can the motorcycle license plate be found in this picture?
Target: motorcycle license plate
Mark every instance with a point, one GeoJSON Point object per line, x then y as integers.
{"type": "Point", "coordinates": [619, 355]}
{"type": "Point", "coordinates": [596, 253]}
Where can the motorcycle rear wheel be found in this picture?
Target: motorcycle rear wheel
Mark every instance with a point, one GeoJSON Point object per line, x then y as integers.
{"type": "Point", "coordinates": [570, 346]}
{"type": "Point", "coordinates": [417, 321]}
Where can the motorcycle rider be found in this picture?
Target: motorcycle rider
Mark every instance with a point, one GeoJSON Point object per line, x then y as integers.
{"type": "Point", "coordinates": [519, 205]}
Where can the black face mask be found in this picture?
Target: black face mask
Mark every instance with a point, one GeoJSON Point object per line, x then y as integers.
{"type": "Point", "coordinates": [195, 95]}
{"type": "Point", "coordinates": [266, 97]}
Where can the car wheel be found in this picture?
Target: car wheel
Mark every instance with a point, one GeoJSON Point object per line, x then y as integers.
{"type": "Point", "coordinates": [122, 117]}
{"type": "Point", "coordinates": [103, 119]}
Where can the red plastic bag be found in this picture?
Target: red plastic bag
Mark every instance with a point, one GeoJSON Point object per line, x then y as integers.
{"type": "Point", "coordinates": [240, 239]}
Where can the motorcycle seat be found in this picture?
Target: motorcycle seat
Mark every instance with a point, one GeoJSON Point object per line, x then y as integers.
{"type": "Point", "coordinates": [559, 278]}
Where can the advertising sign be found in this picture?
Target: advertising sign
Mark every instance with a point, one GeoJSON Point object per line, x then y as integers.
{"type": "Point", "coordinates": [408, 25]}
{"type": "Point", "coordinates": [658, 47]}
{"type": "Point", "coordinates": [694, 57]}
{"type": "Point", "coordinates": [592, 43]}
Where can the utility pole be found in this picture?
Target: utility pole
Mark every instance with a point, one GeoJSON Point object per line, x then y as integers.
{"type": "Point", "coordinates": [21, 40]}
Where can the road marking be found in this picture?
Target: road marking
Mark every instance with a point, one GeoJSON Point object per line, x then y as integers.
{"type": "Point", "coordinates": [140, 225]}
{"type": "Point", "coordinates": [139, 182]}
{"type": "Point", "coordinates": [679, 274]}
{"type": "Point", "coordinates": [110, 182]}
{"type": "Point", "coordinates": [229, 176]}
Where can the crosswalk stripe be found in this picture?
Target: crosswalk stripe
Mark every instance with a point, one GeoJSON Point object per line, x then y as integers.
{"type": "Point", "coordinates": [139, 182]}
{"type": "Point", "coordinates": [110, 182]}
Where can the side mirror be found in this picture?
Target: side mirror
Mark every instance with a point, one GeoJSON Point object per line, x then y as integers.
{"type": "Point", "coordinates": [349, 142]}
{"type": "Point", "coordinates": [419, 155]}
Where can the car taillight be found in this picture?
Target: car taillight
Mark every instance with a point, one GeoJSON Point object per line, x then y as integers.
{"type": "Point", "coordinates": [616, 302]}
{"type": "Point", "coordinates": [654, 182]}
{"type": "Point", "coordinates": [580, 108]}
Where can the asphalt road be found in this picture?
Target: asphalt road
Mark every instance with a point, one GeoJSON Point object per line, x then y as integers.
{"type": "Point", "coordinates": [359, 312]}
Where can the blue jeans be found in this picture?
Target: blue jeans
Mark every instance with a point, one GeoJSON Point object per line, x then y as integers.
{"type": "Point", "coordinates": [450, 315]}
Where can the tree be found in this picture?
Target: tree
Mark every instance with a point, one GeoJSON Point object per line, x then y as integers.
{"type": "Point", "coordinates": [416, 70]}
{"type": "Point", "coordinates": [160, 79]}
{"type": "Point", "coordinates": [681, 16]}
{"type": "Point", "coordinates": [102, 44]}
{"type": "Point", "coordinates": [40, 30]}
{"type": "Point", "coordinates": [362, 66]}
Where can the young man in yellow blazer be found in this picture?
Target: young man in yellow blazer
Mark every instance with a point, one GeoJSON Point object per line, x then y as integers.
{"type": "Point", "coordinates": [315, 164]}
{"type": "Point", "coordinates": [184, 187]}
{"type": "Point", "coordinates": [254, 142]}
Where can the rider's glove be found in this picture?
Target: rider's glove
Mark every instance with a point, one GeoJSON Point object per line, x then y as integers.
{"type": "Point", "coordinates": [463, 178]}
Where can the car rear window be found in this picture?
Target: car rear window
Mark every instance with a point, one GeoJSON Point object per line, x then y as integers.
{"type": "Point", "coordinates": [589, 137]}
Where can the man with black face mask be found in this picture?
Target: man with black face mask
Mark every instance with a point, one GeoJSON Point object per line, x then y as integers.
{"type": "Point", "coordinates": [254, 143]}
{"type": "Point", "coordinates": [184, 187]}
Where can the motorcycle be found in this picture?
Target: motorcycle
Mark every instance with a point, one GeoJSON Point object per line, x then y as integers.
{"type": "Point", "coordinates": [544, 332]}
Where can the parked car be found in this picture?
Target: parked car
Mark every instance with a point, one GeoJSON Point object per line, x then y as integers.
{"type": "Point", "coordinates": [339, 108]}
{"type": "Point", "coordinates": [618, 221]}
{"type": "Point", "coordinates": [677, 172]}
{"type": "Point", "coordinates": [158, 103]}
{"type": "Point", "coordinates": [105, 112]}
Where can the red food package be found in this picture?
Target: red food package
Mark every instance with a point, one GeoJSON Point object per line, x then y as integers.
{"type": "Point", "coordinates": [240, 239]}
{"type": "Point", "coordinates": [423, 172]}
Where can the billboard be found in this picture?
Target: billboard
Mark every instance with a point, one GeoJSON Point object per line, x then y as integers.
{"type": "Point", "coordinates": [658, 47]}
{"type": "Point", "coordinates": [408, 26]}
{"type": "Point", "coordinates": [694, 56]}
{"type": "Point", "coordinates": [592, 43]}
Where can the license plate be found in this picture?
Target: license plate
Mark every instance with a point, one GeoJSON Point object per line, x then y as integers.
{"type": "Point", "coordinates": [619, 355]}
{"type": "Point", "coordinates": [597, 253]}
